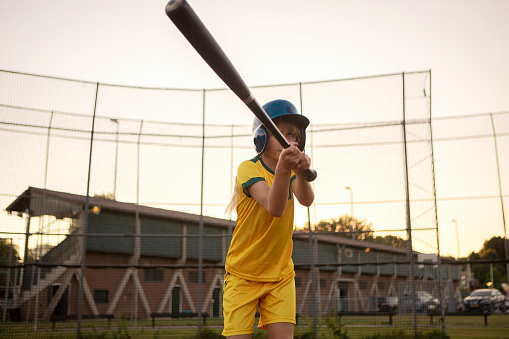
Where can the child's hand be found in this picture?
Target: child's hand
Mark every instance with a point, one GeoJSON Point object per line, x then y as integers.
{"type": "Point", "coordinates": [304, 164]}
{"type": "Point", "coordinates": [290, 158]}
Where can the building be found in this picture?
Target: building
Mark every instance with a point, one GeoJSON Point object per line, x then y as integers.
{"type": "Point", "coordinates": [142, 260]}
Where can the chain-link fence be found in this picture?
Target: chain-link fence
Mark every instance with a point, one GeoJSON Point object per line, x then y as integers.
{"type": "Point", "coordinates": [113, 203]}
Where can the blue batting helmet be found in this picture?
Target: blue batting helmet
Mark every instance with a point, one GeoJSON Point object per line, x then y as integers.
{"type": "Point", "coordinates": [276, 109]}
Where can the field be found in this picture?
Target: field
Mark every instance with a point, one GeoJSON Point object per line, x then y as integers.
{"type": "Point", "coordinates": [457, 327]}
{"type": "Point", "coordinates": [473, 327]}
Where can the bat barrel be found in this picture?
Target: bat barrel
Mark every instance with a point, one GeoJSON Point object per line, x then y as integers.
{"type": "Point", "coordinates": [189, 24]}
{"type": "Point", "coordinates": [193, 29]}
{"type": "Point", "coordinates": [174, 5]}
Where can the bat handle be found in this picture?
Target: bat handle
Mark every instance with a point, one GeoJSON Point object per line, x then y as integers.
{"type": "Point", "coordinates": [310, 174]}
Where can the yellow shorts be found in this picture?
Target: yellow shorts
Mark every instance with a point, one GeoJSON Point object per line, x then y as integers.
{"type": "Point", "coordinates": [276, 302]}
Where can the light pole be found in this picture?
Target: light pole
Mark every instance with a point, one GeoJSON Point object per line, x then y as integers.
{"type": "Point", "coordinates": [457, 237]}
{"type": "Point", "coordinates": [348, 188]}
{"type": "Point", "coordinates": [116, 162]}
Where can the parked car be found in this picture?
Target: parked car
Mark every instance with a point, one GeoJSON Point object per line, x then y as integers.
{"type": "Point", "coordinates": [424, 302]}
{"type": "Point", "coordinates": [456, 304]}
{"type": "Point", "coordinates": [484, 300]}
{"type": "Point", "coordinates": [387, 304]}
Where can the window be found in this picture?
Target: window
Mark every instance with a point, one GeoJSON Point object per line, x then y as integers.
{"type": "Point", "coordinates": [101, 296]}
{"type": "Point", "coordinates": [363, 284]}
{"type": "Point", "coordinates": [193, 276]}
{"type": "Point", "coordinates": [154, 274]}
{"type": "Point", "coordinates": [381, 285]}
{"type": "Point", "coordinates": [323, 283]}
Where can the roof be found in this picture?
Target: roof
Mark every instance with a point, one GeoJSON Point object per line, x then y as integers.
{"type": "Point", "coordinates": [40, 202]}
{"type": "Point", "coordinates": [327, 238]}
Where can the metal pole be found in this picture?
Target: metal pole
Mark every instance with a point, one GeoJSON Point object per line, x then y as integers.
{"type": "Point", "coordinates": [492, 283]}
{"type": "Point", "coordinates": [200, 235]}
{"type": "Point", "coordinates": [457, 237]}
{"type": "Point", "coordinates": [439, 259]}
{"type": "Point", "coordinates": [25, 254]}
{"type": "Point", "coordinates": [41, 223]}
{"type": "Point", "coordinates": [137, 239]}
{"type": "Point", "coordinates": [501, 200]}
{"type": "Point", "coordinates": [7, 283]}
{"type": "Point", "coordinates": [312, 246]}
{"type": "Point", "coordinates": [116, 162]}
{"type": "Point", "coordinates": [408, 219]}
{"type": "Point", "coordinates": [352, 222]}
{"type": "Point", "coordinates": [313, 257]}
{"type": "Point", "coordinates": [39, 256]}
{"type": "Point", "coordinates": [233, 186]}
{"type": "Point", "coordinates": [85, 223]}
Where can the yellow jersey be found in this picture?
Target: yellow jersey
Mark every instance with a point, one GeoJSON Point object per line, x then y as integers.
{"type": "Point", "coordinates": [261, 246]}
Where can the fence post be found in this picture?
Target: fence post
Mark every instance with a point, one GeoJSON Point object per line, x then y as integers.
{"type": "Point", "coordinates": [85, 223]}
{"type": "Point", "coordinates": [200, 235]}
{"type": "Point", "coordinates": [501, 200]}
{"type": "Point", "coordinates": [137, 232]}
{"type": "Point", "coordinates": [314, 303]}
{"type": "Point", "coordinates": [408, 219]}
{"type": "Point", "coordinates": [439, 259]}
{"type": "Point", "coordinates": [7, 283]}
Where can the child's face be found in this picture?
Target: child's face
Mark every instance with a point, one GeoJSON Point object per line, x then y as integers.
{"type": "Point", "coordinates": [289, 131]}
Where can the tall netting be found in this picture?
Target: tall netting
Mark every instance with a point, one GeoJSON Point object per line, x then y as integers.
{"type": "Point", "coordinates": [113, 205]}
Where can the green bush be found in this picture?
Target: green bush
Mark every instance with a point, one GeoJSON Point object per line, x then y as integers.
{"type": "Point", "coordinates": [335, 327]}
{"type": "Point", "coordinates": [401, 334]}
{"type": "Point", "coordinates": [305, 335]}
{"type": "Point", "coordinates": [207, 333]}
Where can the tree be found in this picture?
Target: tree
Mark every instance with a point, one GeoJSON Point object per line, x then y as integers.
{"type": "Point", "coordinates": [108, 196]}
{"type": "Point", "coordinates": [493, 249]}
{"type": "Point", "coordinates": [497, 244]}
{"type": "Point", "coordinates": [391, 240]}
{"type": "Point", "coordinates": [474, 256]}
{"type": "Point", "coordinates": [482, 271]}
{"type": "Point", "coordinates": [5, 248]}
{"type": "Point", "coordinates": [345, 227]}
{"type": "Point", "coordinates": [5, 245]}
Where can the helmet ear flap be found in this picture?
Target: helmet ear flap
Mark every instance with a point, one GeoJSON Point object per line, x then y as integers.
{"type": "Point", "coordinates": [260, 139]}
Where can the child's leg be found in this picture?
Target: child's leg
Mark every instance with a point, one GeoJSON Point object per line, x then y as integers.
{"type": "Point", "coordinates": [277, 308]}
{"type": "Point", "coordinates": [240, 298]}
{"type": "Point", "coordinates": [280, 330]}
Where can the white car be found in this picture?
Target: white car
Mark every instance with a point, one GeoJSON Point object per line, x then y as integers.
{"type": "Point", "coordinates": [424, 302]}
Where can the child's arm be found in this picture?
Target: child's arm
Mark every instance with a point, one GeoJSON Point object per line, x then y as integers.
{"type": "Point", "coordinates": [300, 187]}
{"type": "Point", "coordinates": [274, 198]}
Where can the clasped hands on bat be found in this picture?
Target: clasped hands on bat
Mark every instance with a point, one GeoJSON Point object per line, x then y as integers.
{"type": "Point", "coordinates": [293, 159]}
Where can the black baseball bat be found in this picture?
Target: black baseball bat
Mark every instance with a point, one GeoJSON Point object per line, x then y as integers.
{"type": "Point", "coordinates": [190, 25]}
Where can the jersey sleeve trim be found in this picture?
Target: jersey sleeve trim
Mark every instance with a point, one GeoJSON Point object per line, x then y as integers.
{"type": "Point", "coordinates": [292, 178]}
{"type": "Point", "coordinates": [249, 183]}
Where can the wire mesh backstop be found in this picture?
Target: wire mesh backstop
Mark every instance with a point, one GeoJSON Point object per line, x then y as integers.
{"type": "Point", "coordinates": [113, 202]}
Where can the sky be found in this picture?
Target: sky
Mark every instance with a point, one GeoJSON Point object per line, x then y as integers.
{"type": "Point", "coordinates": [463, 42]}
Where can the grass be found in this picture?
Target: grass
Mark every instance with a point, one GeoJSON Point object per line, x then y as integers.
{"type": "Point", "coordinates": [457, 327]}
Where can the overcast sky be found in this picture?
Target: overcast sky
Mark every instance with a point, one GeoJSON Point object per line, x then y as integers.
{"type": "Point", "coordinates": [464, 42]}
